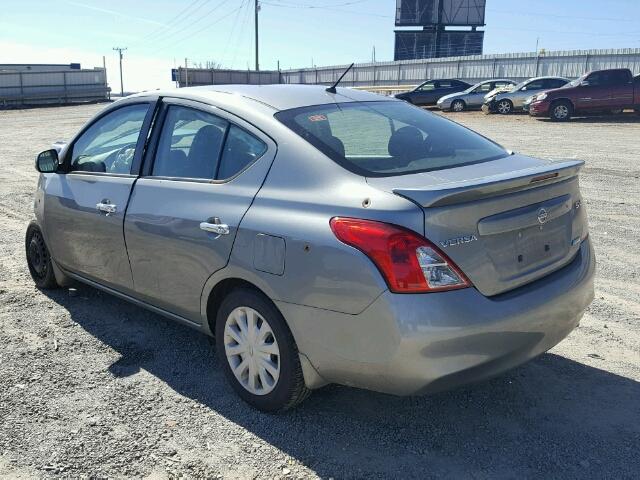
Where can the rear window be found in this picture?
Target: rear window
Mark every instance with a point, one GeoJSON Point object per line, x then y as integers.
{"type": "Point", "coordinates": [388, 138]}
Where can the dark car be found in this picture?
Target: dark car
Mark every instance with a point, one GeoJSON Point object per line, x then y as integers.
{"type": "Point", "coordinates": [600, 92]}
{"type": "Point", "coordinates": [430, 91]}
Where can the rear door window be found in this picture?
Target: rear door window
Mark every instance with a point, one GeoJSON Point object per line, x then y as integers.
{"type": "Point", "coordinates": [190, 144]}
{"type": "Point", "coordinates": [240, 150]}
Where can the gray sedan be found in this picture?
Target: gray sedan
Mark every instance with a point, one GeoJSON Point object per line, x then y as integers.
{"type": "Point", "coordinates": [512, 99]}
{"type": "Point", "coordinates": [322, 236]}
{"type": "Point", "coordinates": [472, 97]}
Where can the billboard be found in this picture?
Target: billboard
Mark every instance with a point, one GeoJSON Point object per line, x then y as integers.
{"type": "Point", "coordinates": [417, 13]}
{"type": "Point", "coordinates": [412, 45]}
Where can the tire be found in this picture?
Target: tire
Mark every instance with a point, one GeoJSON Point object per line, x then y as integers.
{"type": "Point", "coordinates": [39, 259]}
{"type": "Point", "coordinates": [561, 111]}
{"type": "Point", "coordinates": [458, 106]}
{"type": "Point", "coordinates": [272, 387]}
{"type": "Point", "coordinates": [504, 107]}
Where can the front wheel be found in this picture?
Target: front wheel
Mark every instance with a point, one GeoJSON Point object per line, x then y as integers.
{"type": "Point", "coordinates": [504, 107]}
{"type": "Point", "coordinates": [39, 259]}
{"type": "Point", "coordinates": [561, 111]}
{"type": "Point", "coordinates": [458, 106]}
{"type": "Point", "coordinates": [258, 353]}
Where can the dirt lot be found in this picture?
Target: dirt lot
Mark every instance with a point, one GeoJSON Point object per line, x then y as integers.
{"type": "Point", "coordinates": [93, 386]}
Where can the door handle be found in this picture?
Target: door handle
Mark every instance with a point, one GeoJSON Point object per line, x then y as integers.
{"type": "Point", "coordinates": [213, 225]}
{"type": "Point", "coordinates": [107, 207]}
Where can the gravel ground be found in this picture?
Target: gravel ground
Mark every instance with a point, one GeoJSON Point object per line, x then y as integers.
{"type": "Point", "coordinates": [93, 386]}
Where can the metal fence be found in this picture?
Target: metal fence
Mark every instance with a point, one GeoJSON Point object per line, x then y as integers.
{"type": "Point", "coordinates": [193, 77]}
{"type": "Point", "coordinates": [26, 88]}
{"type": "Point", "coordinates": [516, 66]}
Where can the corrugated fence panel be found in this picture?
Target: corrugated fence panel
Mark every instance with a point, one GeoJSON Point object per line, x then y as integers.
{"type": "Point", "coordinates": [516, 66]}
{"type": "Point", "coordinates": [67, 86]}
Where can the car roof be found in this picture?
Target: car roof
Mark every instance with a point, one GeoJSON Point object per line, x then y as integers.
{"type": "Point", "coordinates": [552, 77]}
{"type": "Point", "coordinates": [277, 97]}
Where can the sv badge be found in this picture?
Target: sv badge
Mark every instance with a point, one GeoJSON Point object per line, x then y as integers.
{"type": "Point", "coordinates": [452, 242]}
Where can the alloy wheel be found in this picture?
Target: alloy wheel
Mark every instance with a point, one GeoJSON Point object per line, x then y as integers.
{"type": "Point", "coordinates": [560, 112]}
{"type": "Point", "coordinates": [457, 106]}
{"type": "Point", "coordinates": [504, 107]}
{"type": "Point", "coordinates": [252, 350]}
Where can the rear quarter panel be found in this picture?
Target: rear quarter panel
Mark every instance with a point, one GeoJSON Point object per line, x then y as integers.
{"type": "Point", "coordinates": [303, 191]}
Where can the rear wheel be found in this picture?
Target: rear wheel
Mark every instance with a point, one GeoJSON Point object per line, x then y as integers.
{"type": "Point", "coordinates": [458, 106]}
{"type": "Point", "coordinates": [38, 258]}
{"type": "Point", "coordinates": [258, 353]}
{"type": "Point", "coordinates": [504, 107]}
{"type": "Point", "coordinates": [561, 111]}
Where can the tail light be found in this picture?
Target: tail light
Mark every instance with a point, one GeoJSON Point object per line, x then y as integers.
{"type": "Point", "coordinates": [408, 262]}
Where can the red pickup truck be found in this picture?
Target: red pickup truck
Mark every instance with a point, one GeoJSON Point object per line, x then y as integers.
{"type": "Point", "coordinates": [601, 91]}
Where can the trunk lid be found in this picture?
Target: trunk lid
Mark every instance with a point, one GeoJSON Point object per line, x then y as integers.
{"type": "Point", "coordinates": [506, 222]}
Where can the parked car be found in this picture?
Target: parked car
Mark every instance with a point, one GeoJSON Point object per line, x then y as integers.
{"type": "Point", "coordinates": [512, 99]}
{"type": "Point", "coordinates": [320, 237]}
{"type": "Point", "coordinates": [472, 97]}
{"type": "Point", "coordinates": [601, 91]}
{"type": "Point", "coordinates": [430, 91]}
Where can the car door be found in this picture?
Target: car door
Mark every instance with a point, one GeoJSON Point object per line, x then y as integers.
{"type": "Point", "coordinates": [476, 97]}
{"type": "Point", "coordinates": [199, 178]}
{"type": "Point", "coordinates": [424, 93]}
{"type": "Point", "coordinates": [620, 88]}
{"type": "Point", "coordinates": [531, 88]}
{"type": "Point", "coordinates": [444, 87]}
{"type": "Point", "coordinates": [594, 93]}
{"type": "Point", "coordinates": [85, 206]}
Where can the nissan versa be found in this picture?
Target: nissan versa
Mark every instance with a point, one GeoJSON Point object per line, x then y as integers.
{"type": "Point", "coordinates": [321, 235]}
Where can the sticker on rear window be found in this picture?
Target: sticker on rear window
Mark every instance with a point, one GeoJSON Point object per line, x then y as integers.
{"type": "Point", "coordinates": [317, 118]}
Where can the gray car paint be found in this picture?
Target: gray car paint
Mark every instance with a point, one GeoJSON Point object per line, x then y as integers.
{"type": "Point", "coordinates": [471, 97]}
{"type": "Point", "coordinates": [518, 96]}
{"type": "Point", "coordinates": [348, 327]}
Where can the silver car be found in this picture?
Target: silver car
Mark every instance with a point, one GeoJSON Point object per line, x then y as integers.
{"type": "Point", "coordinates": [472, 97]}
{"type": "Point", "coordinates": [512, 99]}
{"type": "Point", "coordinates": [320, 237]}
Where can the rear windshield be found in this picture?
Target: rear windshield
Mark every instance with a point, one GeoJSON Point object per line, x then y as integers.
{"type": "Point", "coordinates": [388, 138]}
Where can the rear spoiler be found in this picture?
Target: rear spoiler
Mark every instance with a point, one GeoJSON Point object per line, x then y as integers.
{"type": "Point", "coordinates": [491, 186]}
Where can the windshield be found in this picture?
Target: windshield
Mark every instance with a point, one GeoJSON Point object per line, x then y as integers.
{"type": "Point", "coordinates": [388, 138]}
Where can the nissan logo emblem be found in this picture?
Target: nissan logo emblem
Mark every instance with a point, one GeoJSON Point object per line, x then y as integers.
{"type": "Point", "coordinates": [542, 216]}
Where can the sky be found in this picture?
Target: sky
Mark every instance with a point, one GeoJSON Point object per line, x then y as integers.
{"type": "Point", "coordinates": [160, 34]}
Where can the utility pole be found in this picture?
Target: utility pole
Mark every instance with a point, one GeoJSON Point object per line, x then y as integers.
{"type": "Point", "coordinates": [120, 50]}
{"type": "Point", "coordinates": [256, 8]}
{"type": "Point", "coordinates": [186, 73]}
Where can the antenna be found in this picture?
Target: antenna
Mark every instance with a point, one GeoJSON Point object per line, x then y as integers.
{"type": "Point", "coordinates": [332, 88]}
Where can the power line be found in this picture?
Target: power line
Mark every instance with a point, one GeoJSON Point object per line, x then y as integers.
{"type": "Point", "coordinates": [187, 37]}
{"type": "Point", "coordinates": [182, 15]}
{"type": "Point", "coordinates": [169, 37]}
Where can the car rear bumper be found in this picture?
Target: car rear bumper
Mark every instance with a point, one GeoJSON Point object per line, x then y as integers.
{"type": "Point", "coordinates": [539, 109]}
{"type": "Point", "coordinates": [423, 343]}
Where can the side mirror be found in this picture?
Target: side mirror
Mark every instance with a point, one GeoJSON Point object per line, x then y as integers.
{"type": "Point", "coordinates": [47, 161]}
{"type": "Point", "coordinates": [584, 83]}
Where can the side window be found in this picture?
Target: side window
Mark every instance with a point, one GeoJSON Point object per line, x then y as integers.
{"type": "Point", "coordinates": [241, 149]}
{"type": "Point", "coordinates": [427, 86]}
{"type": "Point", "coordinates": [190, 144]}
{"type": "Point", "coordinates": [554, 83]}
{"type": "Point", "coordinates": [501, 84]}
{"type": "Point", "coordinates": [484, 88]}
{"type": "Point", "coordinates": [109, 145]}
{"type": "Point", "coordinates": [534, 85]}
{"type": "Point", "coordinates": [596, 79]}
{"type": "Point", "coordinates": [445, 84]}
{"type": "Point", "coordinates": [618, 77]}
